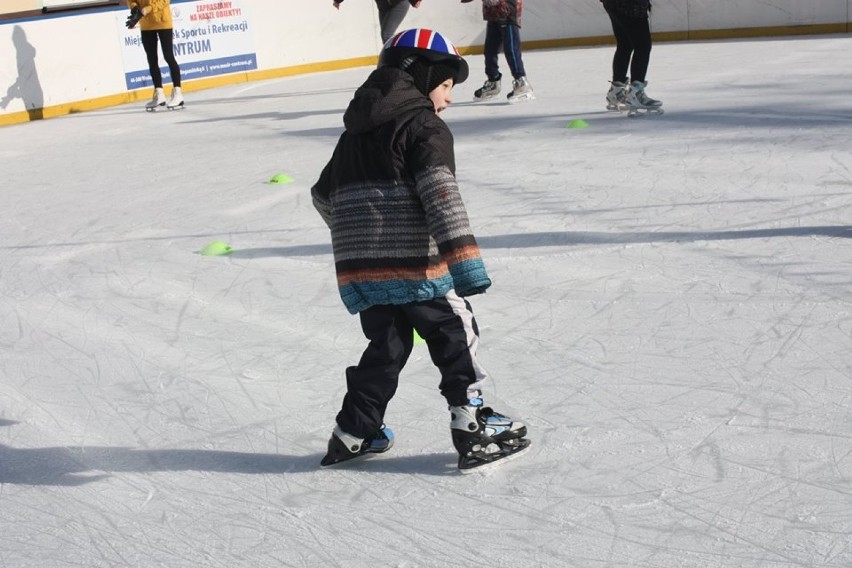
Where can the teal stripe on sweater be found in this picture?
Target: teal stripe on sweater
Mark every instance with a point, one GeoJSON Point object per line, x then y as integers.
{"type": "Point", "coordinates": [358, 296]}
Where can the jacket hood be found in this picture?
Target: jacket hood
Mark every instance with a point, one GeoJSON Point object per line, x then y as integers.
{"type": "Point", "coordinates": [387, 94]}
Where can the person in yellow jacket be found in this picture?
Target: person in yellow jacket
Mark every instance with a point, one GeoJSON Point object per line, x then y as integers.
{"type": "Point", "coordinates": [155, 19]}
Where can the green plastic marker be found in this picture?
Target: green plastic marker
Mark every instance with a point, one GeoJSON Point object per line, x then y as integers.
{"type": "Point", "coordinates": [216, 248]}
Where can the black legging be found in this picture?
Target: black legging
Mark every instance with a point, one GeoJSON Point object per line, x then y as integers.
{"type": "Point", "coordinates": [633, 47]}
{"type": "Point", "coordinates": [149, 42]}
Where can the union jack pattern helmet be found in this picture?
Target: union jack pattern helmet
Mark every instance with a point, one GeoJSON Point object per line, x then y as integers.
{"type": "Point", "coordinates": [427, 44]}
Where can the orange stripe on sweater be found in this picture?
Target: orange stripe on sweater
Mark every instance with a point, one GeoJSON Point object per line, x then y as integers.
{"type": "Point", "coordinates": [385, 274]}
{"type": "Point", "coordinates": [465, 253]}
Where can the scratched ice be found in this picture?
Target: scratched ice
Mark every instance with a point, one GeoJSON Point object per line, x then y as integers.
{"type": "Point", "coordinates": [671, 314]}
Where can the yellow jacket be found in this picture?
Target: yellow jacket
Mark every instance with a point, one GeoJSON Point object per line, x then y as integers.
{"type": "Point", "coordinates": [158, 14]}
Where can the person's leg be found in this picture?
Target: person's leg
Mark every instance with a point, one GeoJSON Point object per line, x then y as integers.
{"type": "Point", "coordinates": [479, 433]}
{"type": "Point", "coordinates": [511, 35]}
{"type": "Point", "coordinates": [373, 382]}
{"type": "Point", "coordinates": [639, 32]}
{"type": "Point", "coordinates": [149, 42]}
{"type": "Point", "coordinates": [391, 15]}
{"type": "Point", "coordinates": [167, 44]}
{"type": "Point", "coordinates": [493, 44]}
{"type": "Point", "coordinates": [623, 48]}
{"type": "Point", "coordinates": [450, 331]}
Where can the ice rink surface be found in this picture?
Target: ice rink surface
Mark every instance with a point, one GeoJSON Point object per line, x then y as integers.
{"type": "Point", "coordinates": [671, 315]}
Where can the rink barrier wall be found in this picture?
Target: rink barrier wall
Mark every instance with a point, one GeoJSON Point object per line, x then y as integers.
{"type": "Point", "coordinates": [62, 78]}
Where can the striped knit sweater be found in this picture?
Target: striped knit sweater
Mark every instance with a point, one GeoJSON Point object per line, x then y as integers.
{"type": "Point", "coordinates": [399, 228]}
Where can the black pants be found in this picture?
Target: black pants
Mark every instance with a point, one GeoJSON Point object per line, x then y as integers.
{"type": "Point", "coordinates": [450, 331]}
{"type": "Point", "coordinates": [508, 38]}
{"type": "Point", "coordinates": [633, 47]}
{"type": "Point", "coordinates": [149, 42]}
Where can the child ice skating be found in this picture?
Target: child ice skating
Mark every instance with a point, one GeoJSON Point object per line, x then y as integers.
{"type": "Point", "coordinates": [405, 256]}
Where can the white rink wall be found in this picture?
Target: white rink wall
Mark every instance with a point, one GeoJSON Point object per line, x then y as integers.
{"type": "Point", "coordinates": [72, 61]}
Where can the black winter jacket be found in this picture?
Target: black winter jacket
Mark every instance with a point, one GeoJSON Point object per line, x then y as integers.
{"type": "Point", "coordinates": [399, 228]}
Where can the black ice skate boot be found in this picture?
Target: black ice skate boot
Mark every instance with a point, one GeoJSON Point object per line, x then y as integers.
{"type": "Point", "coordinates": [344, 447]}
{"type": "Point", "coordinates": [482, 436]}
{"type": "Point", "coordinates": [488, 90]}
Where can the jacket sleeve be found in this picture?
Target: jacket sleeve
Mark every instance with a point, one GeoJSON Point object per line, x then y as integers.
{"type": "Point", "coordinates": [433, 167]}
{"type": "Point", "coordinates": [321, 191]}
{"type": "Point", "coordinates": [321, 195]}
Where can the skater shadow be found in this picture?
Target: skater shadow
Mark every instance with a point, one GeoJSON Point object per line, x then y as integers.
{"type": "Point", "coordinates": [296, 250]}
{"type": "Point", "coordinates": [241, 99]}
{"type": "Point", "coordinates": [26, 86]}
{"type": "Point", "coordinates": [435, 464]}
{"type": "Point", "coordinates": [509, 241]}
{"type": "Point", "coordinates": [570, 238]}
{"type": "Point", "coordinates": [573, 238]}
{"type": "Point", "coordinates": [167, 238]}
{"type": "Point", "coordinates": [67, 466]}
{"type": "Point", "coordinates": [266, 116]}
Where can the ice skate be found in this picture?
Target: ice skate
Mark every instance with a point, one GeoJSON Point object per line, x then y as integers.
{"type": "Point", "coordinates": [176, 100]}
{"type": "Point", "coordinates": [344, 447]}
{"type": "Point", "coordinates": [489, 90]}
{"type": "Point", "coordinates": [157, 102]}
{"type": "Point", "coordinates": [616, 97]}
{"type": "Point", "coordinates": [639, 103]}
{"type": "Point", "coordinates": [482, 436]}
{"type": "Point", "coordinates": [521, 91]}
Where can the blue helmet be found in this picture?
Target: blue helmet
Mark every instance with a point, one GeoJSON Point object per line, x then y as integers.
{"type": "Point", "coordinates": [426, 44]}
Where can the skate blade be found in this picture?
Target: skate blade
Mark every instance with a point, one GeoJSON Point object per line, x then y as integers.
{"type": "Point", "coordinates": [508, 452]}
{"type": "Point", "coordinates": [330, 461]}
{"type": "Point", "coordinates": [522, 98]}
{"type": "Point", "coordinates": [486, 98]}
{"type": "Point", "coordinates": [640, 112]}
{"type": "Point", "coordinates": [176, 107]}
{"type": "Point", "coordinates": [339, 454]}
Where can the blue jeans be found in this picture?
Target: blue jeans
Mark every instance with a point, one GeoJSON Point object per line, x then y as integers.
{"type": "Point", "coordinates": [508, 38]}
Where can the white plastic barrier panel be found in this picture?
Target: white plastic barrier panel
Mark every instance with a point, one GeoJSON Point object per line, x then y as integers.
{"type": "Point", "coordinates": [210, 38]}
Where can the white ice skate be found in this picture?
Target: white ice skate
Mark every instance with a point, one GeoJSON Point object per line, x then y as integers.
{"type": "Point", "coordinates": [157, 102]}
{"type": "Point", "coordinates": [489, 90]}
{"type": "Point", "coordinates": [176, 101]}
{"type": "Point", "coordinates": [521, 91]}
{"type": "Point", "coordinates": [639, 103]}
{"type": "Point", "coordinates": [616, 97]}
